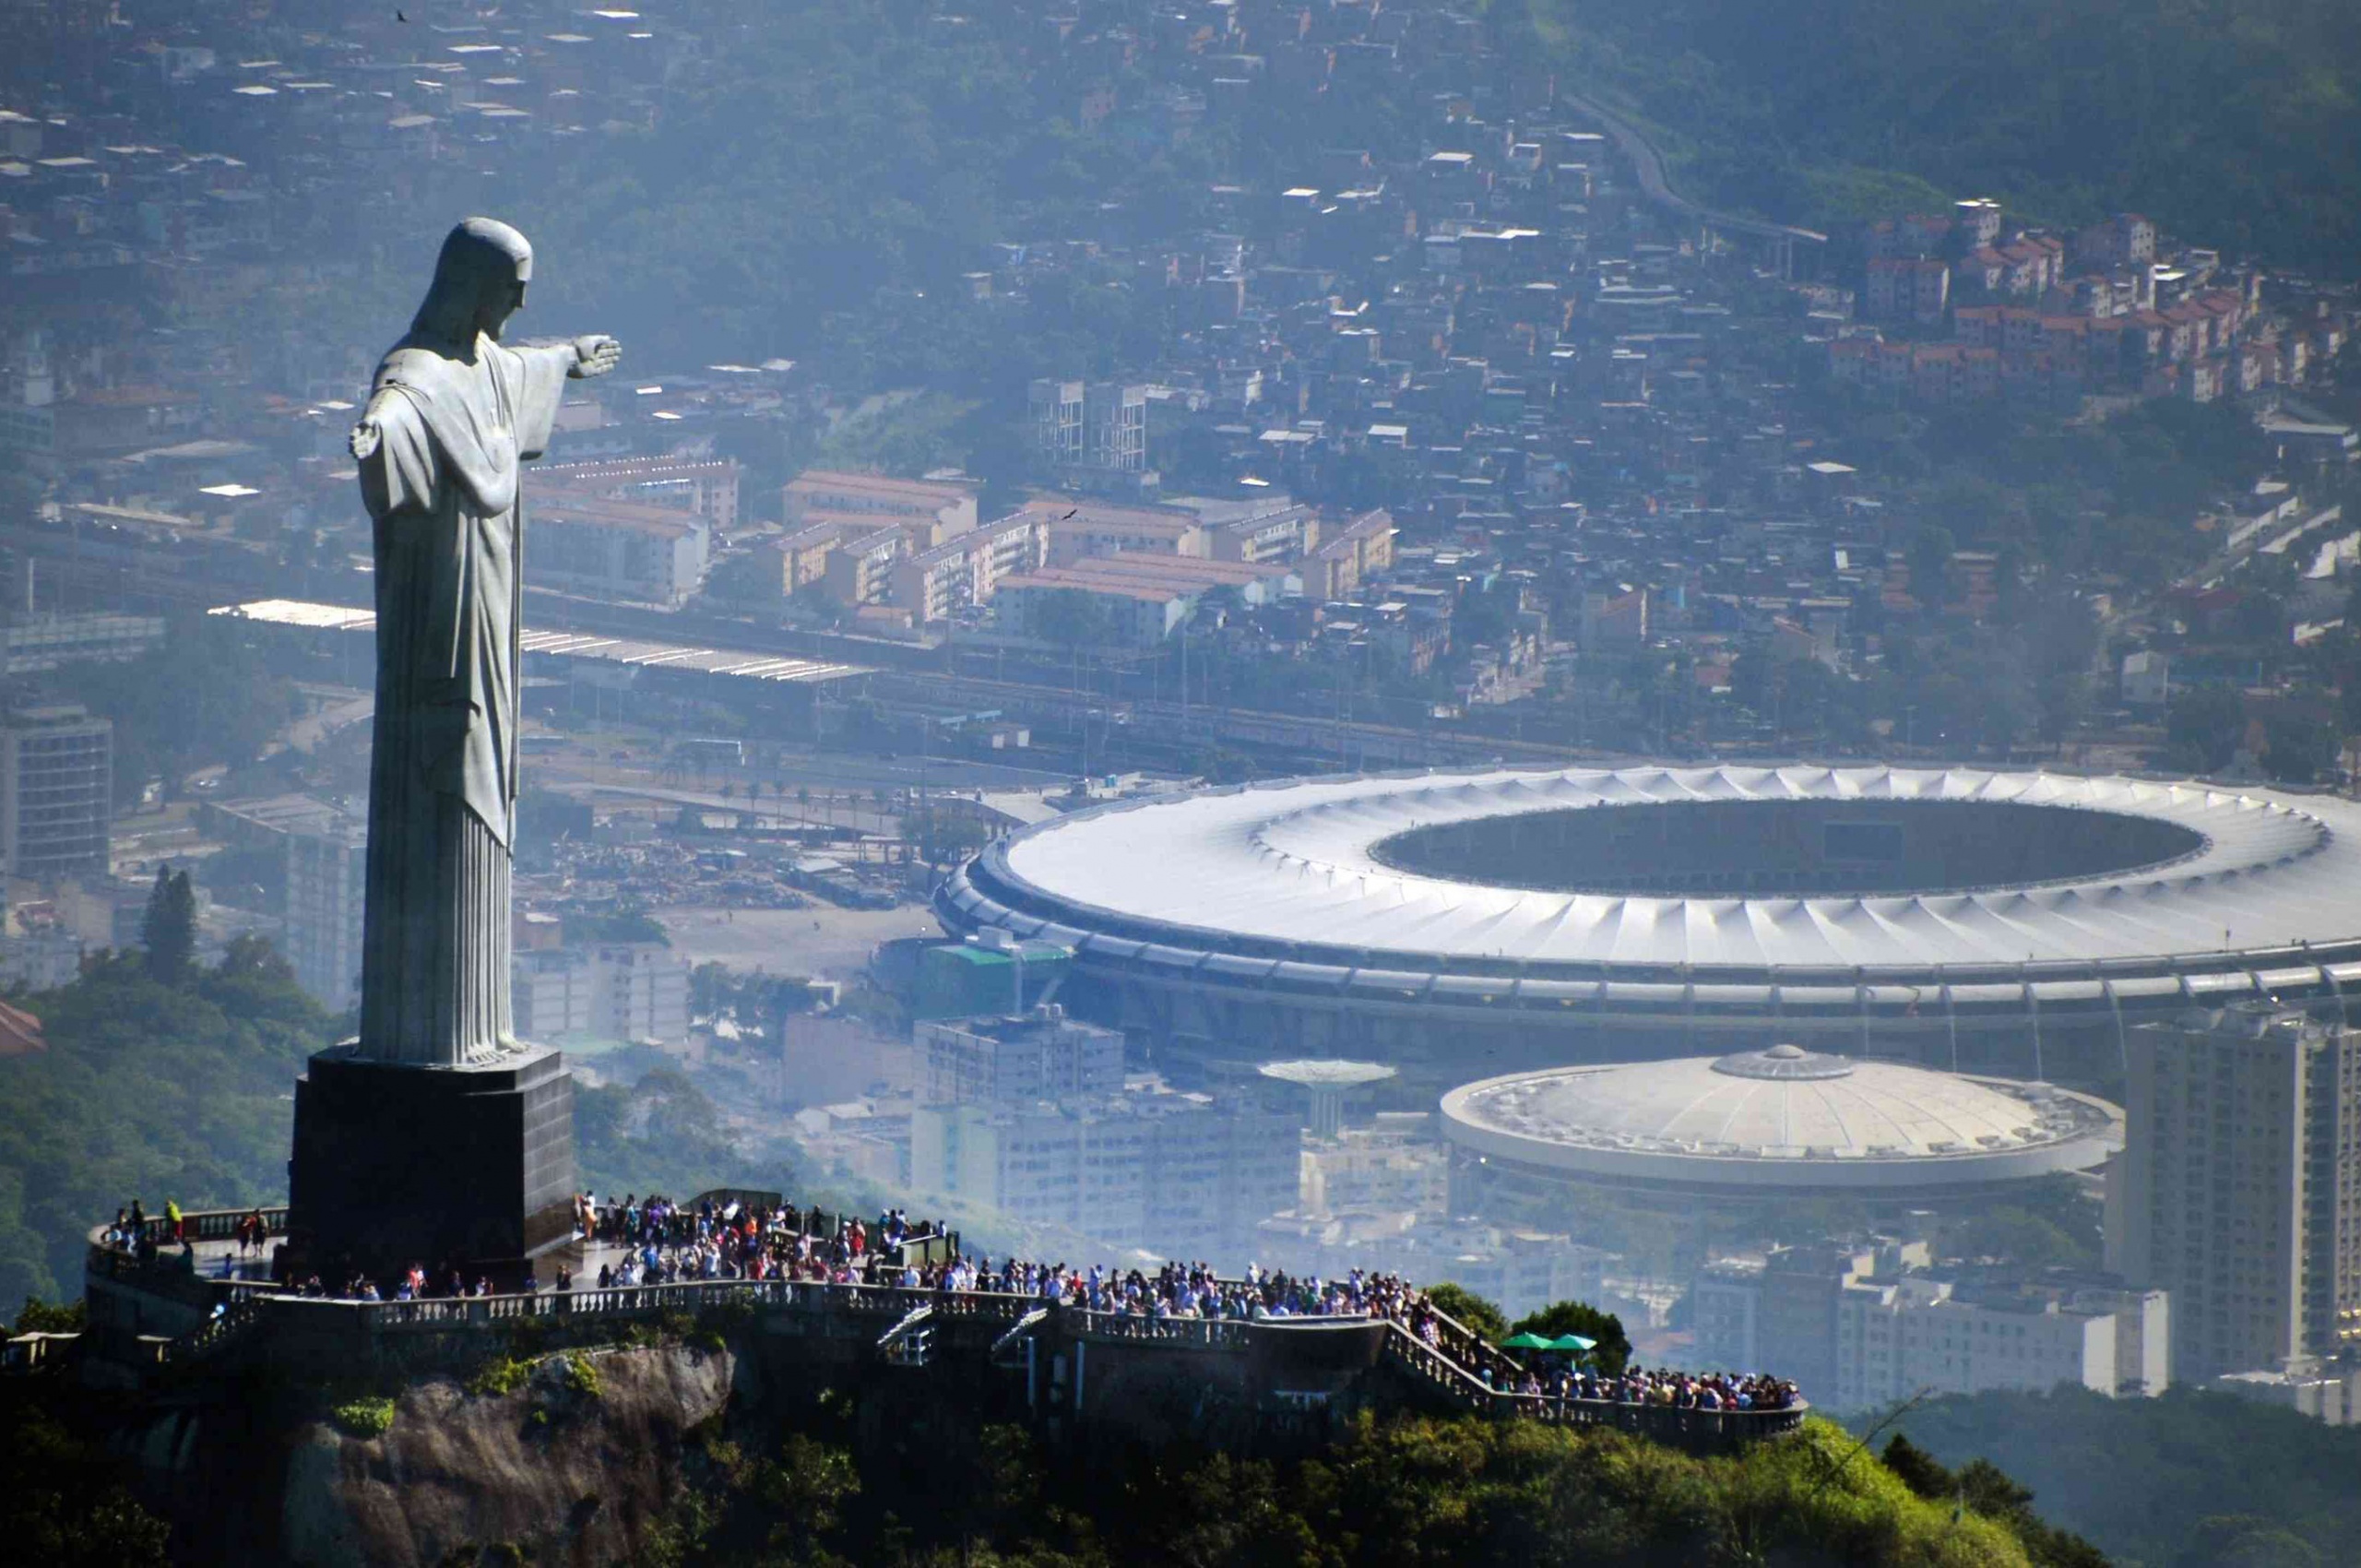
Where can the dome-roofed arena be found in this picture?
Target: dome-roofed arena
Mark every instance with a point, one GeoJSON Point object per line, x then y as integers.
{"type": "Point", "coordinates": [1958, 915]}
{"type": "Point", "coordinates": [1778, 1123]}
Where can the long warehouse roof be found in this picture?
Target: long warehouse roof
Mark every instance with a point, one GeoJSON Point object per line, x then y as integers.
{"type": "Point", "coordinates": [741, 664]}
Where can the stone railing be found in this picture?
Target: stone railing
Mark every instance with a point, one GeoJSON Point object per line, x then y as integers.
{"type": "Point", "coordinates": [443, 1313]}
{"type": "Point", "coordinates": [1451, 1367]}
{"type": "Point", "coordinates": [207, 1225]}
{"type": "Point", "coordinates": [1182, 1333]}
{"type": "Point", "coordinates": [358, 1324]}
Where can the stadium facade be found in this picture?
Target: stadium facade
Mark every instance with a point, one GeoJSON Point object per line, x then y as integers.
{"type": "Point", "coordinates": [1958, 916]}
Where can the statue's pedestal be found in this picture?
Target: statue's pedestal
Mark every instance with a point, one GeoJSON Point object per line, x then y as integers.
{"type": "Point", "coordinates": [444, 1167]}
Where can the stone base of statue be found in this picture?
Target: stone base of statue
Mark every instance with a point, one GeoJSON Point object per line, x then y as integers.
{"type": "Point", "coordinates": [466, 1168]}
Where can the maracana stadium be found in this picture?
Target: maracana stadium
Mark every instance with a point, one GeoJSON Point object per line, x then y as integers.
{"type": "Point", "coordinates": [1495, 920]}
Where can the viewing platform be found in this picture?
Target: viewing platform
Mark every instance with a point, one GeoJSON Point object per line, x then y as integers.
{"type": "Point", "coordinates": [185, 1315]}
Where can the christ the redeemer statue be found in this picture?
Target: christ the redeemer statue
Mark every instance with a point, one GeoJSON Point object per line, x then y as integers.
{"type": "Point", "coordinates": [452, 414]}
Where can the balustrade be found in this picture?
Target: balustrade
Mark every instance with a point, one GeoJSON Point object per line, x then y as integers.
{"type": "Point", "coordinates": [1450, 1365]}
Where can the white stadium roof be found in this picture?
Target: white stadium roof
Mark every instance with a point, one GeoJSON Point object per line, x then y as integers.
{"type": "Point", "coordinates": [1292, 865]}
{"type": "Point", "coordinates": [1784, 1119]}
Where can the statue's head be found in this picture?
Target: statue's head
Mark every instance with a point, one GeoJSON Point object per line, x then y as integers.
{"type": "Point", "coordinates": [479, 284]}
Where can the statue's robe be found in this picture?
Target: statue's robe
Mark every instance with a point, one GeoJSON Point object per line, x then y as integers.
{"type": "Point", "coordinates": [442, 491]}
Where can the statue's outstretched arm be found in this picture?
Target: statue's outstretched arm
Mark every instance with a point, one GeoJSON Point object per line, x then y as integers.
{"type": "Point", "coordinates": [595, 354]}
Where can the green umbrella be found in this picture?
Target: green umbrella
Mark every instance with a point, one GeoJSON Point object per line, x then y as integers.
{"type": "Point", "coordinates": [1524, 1342]}
{"type": "Point", "coordinates": [1574, 1342]}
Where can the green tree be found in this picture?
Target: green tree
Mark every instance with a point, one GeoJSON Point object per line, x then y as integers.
{"type": "Point", "coordinates": [1070, 618]}
{"type": "Point", "coordinates": [2204, 726]}
{"type": "Point", "coordinates": [2298, 750]}
{"type": "Point", "coordinates": [1577, 1317]}
{"type": "Point", "coordinates": [42, 1317]}
{"type": "Point", "coordinates": [148, 1089]}
{"type": "Point", "coordinates": [1478, 1315]}
{"type": "Point", "coordinates": [168, 930]}
{"type": "Point", "coordinates": [2240, 1540]}
{"type": "Point", "coordinates": [745, 581]}
{"type": "Point", "coordinates": [64, 1505]}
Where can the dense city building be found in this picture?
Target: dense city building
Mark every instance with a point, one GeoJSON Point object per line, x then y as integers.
{"type": "Point", "coordinates": [1174, 1173]}
{"type": "Point", "coordinates": [1883, 1321]}
{"type": "Point", "coordinates": [327, 883]}
{"type": "Point", "coordinates": [2239, 1187]}
{"type": "Point", "coordinates": [1016, 1061]}
{"type": "Point", "coordinates": [56, 791]}
{"type": "Point", "coordinates": [626, 993]}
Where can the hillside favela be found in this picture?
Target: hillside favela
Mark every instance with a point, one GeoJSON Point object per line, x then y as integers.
{"type": "Point", "coordinates": [1180, 783]}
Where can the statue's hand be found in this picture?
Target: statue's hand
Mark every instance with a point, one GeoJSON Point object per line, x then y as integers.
{"type": "Point", "coordinates": [594, 355]}
{"type": "Point", "coordinates": [363, 439]}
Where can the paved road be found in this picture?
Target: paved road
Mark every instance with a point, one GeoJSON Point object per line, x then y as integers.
{"type": "Point", "coordinates": [1647, 162]}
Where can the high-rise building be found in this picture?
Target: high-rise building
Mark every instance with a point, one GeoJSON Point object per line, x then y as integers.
{"type": "Point", "coordinates": [1016, 1061]}
{"type": "Point", "coordinates": [634, 992]}
{"type": "Point", "coordinates": [2239, 1186]}
{"type": "Point", "coordinates": [1874, 1325]}
{"type": "Point", "coordinates": [1173, 1173]}
{"type": "Point", "coordinates": [56, 791]}
{"type": "Point", "coordinates": [1093, 431]}
{"type": "Point", "coordinates": [1896, 1336]}
{"type": "Point", "coordinates": [326, 882]}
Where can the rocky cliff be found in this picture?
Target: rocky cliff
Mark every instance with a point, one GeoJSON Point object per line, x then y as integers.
{"type": "Point", "coordinates": [572, 1458]}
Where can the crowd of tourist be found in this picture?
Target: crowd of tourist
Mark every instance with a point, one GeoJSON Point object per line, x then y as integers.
{"type": "Point", "coordinates": [1640, 1385]}
{"type": "Point", "coordinates": [663, 1243]}
{"type": "Point", "coordinates": [655, 1241]}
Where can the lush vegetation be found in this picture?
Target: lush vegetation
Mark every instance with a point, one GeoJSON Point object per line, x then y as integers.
{"type": "Point", "coordinates": [1400, 1492]}
{"type": "Point", "coordinates": [365, 1415]}
{"type": "Point", "coordinates": [64, 1505]}
{"type": "Point", "coordinates": [661, 1134]}
{"type": "Point", "coordinates": [2189, 1481]}
{"type": "Point", "coordinates": [1984, 1487]}
{"type": "Point", "coordinates": [163, 1090]}
{"type": "Point", "coordinates": [2232, 121]}
{"type": "Point", "coordinates": [1614, 1347]}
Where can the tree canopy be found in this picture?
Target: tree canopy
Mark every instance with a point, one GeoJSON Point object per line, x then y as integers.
{"type": "Point", "coordinates": [2231, 122]}
{"type": "Point", "coordinates": [1614, 1351]}
{"type": "Point", "coordinates": [1471, 1310]}
{"type": "Point", "coordinates": [148, 1089]}
{"type": "Point", "coordinates": [2172, 1483]}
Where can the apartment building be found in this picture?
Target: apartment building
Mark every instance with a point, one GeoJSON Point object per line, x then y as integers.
{"type": "Point", "coordinates": [634, 992]}
{"type": "Point", "coordinates": [1096, 426]}
{"type": "Point", "coordinates": [1350, 556]}
{"type": "Point", "coordinates": [1079, 530]}
{"type": "Point", "coordinates": [967, 570]}
{"type": "Point", "coordinates": [327, 885]}
{"type": "Point", "coordinates": [1287, 531]}
{"type": "Point", "coordinates": [802, 554]}
{"type": "Point", "coordinates": [1129, 601]}
{"type": "Point", "coordinates": [858, 568]}
{"type": "Point", "coordinates": [1897, 1337]}
{"type": "Point", "coordinates": [56, 791]}
{"type": "Point", "coordinates": [629, 551]}
{"type": "Point", "coordinates": [876, 496]}
{"type": "Point", "coordinates": [1174, 1173]}
{"type": "Point", "coordinates": [2239, 1186]}
{"type": "Point", "coordinates": [1044, 1055]}
{"type": "Point", "coordinates": [706, 487]}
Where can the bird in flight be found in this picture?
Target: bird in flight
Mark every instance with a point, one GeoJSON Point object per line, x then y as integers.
{"type": "Point", "coordinates": [401, 16]}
